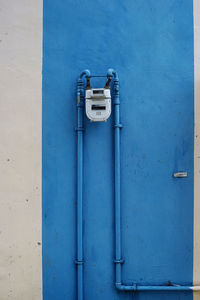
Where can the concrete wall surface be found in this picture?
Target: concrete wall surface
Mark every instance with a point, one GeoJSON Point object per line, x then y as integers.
{"type": "Point", "coordinates": [20, 149]}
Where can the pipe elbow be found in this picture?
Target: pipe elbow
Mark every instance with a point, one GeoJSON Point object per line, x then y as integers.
{"type": "Point", "coordinates": [85, 73]}
{"type": "Point", "coordinates": [112, 73]}
{"type": "Point", "coordinates": [122, 287]}
{"type": "Point", "coordinates": [119, 286]}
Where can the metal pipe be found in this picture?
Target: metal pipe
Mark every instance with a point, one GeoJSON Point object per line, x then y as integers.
{"type": "Point", "coordinates": [148, 288]}
{"type": "Point", "coordinates": [118, 255]}
{"type": "Point", "coordinates": [80, 108]}
{"type": "Point", "coordinates": [117, 126]}
{"type": "Point", "coordinates": [85, 73]}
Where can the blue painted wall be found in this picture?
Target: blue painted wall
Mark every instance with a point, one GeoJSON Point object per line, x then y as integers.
{"type": "Point", "coordinates": [150, 44]}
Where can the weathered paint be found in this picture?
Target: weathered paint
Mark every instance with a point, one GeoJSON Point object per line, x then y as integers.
{"type": "Point", "coordinates": [150, 44]}
{"type": "Point", "coordinates": [196, 250]}
{"type": "Point", "coordinates": [20, 155]}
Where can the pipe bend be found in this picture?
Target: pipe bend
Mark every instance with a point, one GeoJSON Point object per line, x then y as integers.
{"type": "Point", "coordinates": [122, 287]}
{"type": "Point", "coordinates": [86, 73]}
{"type": "Point", "coordinates": [112, 73]}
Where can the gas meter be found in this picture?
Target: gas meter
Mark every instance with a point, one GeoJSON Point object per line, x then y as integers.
{"type": "Point", "coordinates": [98, 104]}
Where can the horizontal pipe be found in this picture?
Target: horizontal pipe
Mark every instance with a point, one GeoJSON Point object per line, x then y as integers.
{"type": "Point", "coordinates": [122, 287]}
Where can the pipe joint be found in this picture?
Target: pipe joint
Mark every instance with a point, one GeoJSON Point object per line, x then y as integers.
{"type": "Point", "coordinates": [79, 86]}
{"type": "Point", "coordinates": [112, 73]}
{"type": "Point", "coordinates": [121, 287]}
{"type": "Point", "coordinates": [116, 101]}
{"type": "Point", "coordinates": [116, 90]}
{"type": "Point", "coordinates": [79, 90]}
{"type": "Point", "coordinates": [120, 126]}
{"type": "Point", "coordinates": [79, 129]}
{"type": "Point", "coordinates": [79, 262]}
{"type": "Point", "coordinates": [79, 104]}
{"type": "Point", "coordinates": [79, 82]}
{"type": "Point", "coordinates": [119, 261]}
{"type": "Point", "coordinates": [85, 73]}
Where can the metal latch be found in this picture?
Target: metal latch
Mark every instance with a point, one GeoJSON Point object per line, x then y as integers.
{"type": "Point", "coordinates": [180, 174]}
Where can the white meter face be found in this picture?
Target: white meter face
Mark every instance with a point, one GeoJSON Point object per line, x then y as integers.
{"type": "Point", "coordinates": [98, 104]}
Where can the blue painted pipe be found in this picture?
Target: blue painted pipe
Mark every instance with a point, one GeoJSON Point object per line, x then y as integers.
{"type": "Point", "coordinates": [85, 73]}
{"type": "Point", "coordinates": [149, 288]}
{"type": "Point", "coordinates": [118, 255]}
{"type": "Point", "coordinates": [80, 114]}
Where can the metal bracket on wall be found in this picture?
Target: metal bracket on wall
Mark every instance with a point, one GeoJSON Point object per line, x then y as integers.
{"type": "Point", "coordinates": [180, 174]}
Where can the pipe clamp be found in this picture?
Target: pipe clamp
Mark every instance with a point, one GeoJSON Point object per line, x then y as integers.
{"type": "Point", "coordinates": [118, 126]}
{"type": "Point", "coordinates": [119, 261]}
{"type": "Point", "coordinates": [79, 262]}
{"type": "Point", "coordinates": [79, 129]}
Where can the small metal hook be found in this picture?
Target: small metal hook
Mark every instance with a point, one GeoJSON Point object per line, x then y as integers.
{"type": "Point", "coordinates": [180, 174]}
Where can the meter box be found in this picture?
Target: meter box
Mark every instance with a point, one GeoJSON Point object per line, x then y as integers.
{"type": "Point", "coordinates": [98, 104]}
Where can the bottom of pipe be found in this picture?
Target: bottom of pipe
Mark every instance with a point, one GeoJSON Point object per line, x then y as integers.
{"type": "Point", "coordinates": [134, 287]}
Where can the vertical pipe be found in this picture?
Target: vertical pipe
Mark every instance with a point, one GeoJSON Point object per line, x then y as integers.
{"type": "Point", "coordinates": [79, 128]}
{"type": "Point", "coordinates": [79, 218]}
{"type": "Point", "coordinates": [117, 126]}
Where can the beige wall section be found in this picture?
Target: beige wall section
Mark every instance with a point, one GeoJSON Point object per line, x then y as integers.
{"type": "Point", "coordinates": [20, 149]}
{"type": "Point", "coordinates": [196, 267]}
